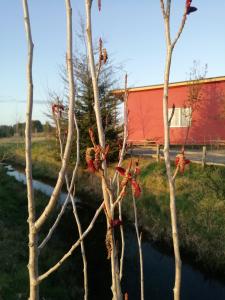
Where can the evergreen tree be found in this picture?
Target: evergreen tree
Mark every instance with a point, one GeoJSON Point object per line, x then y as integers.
{"type": "Point", "coordinates": [84, 106]}
{"type": "Point", "coordinates": [85, 99]}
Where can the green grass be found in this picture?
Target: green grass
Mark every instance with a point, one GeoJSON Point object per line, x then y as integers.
{"type": "Point", "coordinates": [14, 247]}
{"type": "Point", "coordinates": [13, 236]}
{"type": "Point", "coordinates": [200, 200]}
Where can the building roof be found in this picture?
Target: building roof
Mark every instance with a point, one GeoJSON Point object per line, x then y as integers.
{"type": "Point", "coordinates": [172, 84]}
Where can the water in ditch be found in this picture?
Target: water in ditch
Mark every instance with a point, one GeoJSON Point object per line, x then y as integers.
{"type": "Point", "coordinates": [158, 266]}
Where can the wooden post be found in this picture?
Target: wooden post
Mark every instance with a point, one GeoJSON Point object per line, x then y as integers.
{"type": "Point", "coordinates": [158, 153]}
{"type": "Point", "coordinates": [203, 156]}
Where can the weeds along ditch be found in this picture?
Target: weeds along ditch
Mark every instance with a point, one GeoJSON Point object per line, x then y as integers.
{"type": "Point", "coordinates": [201, 219]}
{"type": "Point", "coordinates": [67, 282]}
{"type": "Point", "coordinates": [200, 198]}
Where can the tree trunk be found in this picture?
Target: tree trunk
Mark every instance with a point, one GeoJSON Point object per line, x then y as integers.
{"type": "Point", "coordinates": [171, 181]}
{"type": "Point", "coordinates": [138, 234]}
{"type": "Point", "coordinates": [116, 289]}
{"type": "Point", "coordinates": [33, 247]}
{"type": "Point", "coordinates": [170, 178]}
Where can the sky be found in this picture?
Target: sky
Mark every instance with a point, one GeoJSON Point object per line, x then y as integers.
{"type": "Point", "coordinates": [134, 35]}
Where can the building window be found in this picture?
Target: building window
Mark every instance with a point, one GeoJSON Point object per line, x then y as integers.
{"type": "Point", "coordinates": [181, 117]}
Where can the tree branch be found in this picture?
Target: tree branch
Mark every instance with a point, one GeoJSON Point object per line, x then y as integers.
{"type": "Point", "coordinates": [51, 204]}
{"type": "Point", "coordinates": [171, 116]}
{"type": "Point", "coordinates": [181, 28]}
{"type": "Point", "coordinates": [163, 8]}
{"type": "Point", "coordinates": [74, 246]}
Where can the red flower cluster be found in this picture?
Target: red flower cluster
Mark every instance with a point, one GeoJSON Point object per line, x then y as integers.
{"type": "Point", "coordinates": [99, 5]}
{"type": "Point", "coordinates": [190, 8]}
{"type": "Point", "coordinates": [181, 162]}
{"type": "Point", "coordinates": [57, 109]}
{"type": "Point", "coordinates": [95, 155]}
{"type": "Point", "coordinates": [137, 170]}
{"type": "Point", "coordinates": [129, 178]}
{"type": "Point", "coordinates": [103, 55]}
{"type": "Point", "coordinates": [116, 222]}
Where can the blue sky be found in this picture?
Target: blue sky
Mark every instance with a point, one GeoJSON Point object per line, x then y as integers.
{"type": "Point", "coordinates": [135, 37]}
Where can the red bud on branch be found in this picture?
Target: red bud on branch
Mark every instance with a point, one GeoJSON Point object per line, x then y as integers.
{"type": "Point", "coordinates": [99, 5]}
{"type": "Point", "coordinates": [181, 162]}
{"type": "Point", "coordinates": [122, 171]}
{"type": "Point", "coordinates": [116, 222]}
{"type": "Point", "coordinates": [190, 8]}
{"type": "Point", "coordinates": [136, 188]}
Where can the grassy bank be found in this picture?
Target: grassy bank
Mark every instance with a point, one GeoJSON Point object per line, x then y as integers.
{"type": "Point", "coordinates": [200, 196]}
{"type": "Point", "coordinates": [200, 199]}
{"type": "Point", "coordinates": [14, 251]}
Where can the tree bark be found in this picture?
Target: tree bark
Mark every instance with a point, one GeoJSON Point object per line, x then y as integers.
{"type": "Point", "coordinates": [69, 55]}
{"type": "Point", "coordinates": [33, 249]}
{"type": "Point", "coordinates": [171, 181]}
{"type": "Point", "coordinates": [69, 189]}
{"type": "Point", "coordinates": [139, 239]}
{"type": "Point", "coordinates": [116, 289]}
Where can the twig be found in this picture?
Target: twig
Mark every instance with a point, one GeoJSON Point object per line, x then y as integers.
{"type": "Point", "coordinates": [171, 116]}
{"type": "Point", "coordinates": [121, 232]}
{"type": "Point", "coordinates": [100, 60]}
{"type": "Point", "coordinates": [181, 28]}
{"type": "Point", "coordinates": [139, 238]}
{"type": "Point", "coordinates": [69, 189]}
{"type": "Point", "coordinates": [115, 177]}
{"type": "Point", "coordinates": [72, 186]}
{"type": "Point", "coordinates": [163, 8]}
{"type": "Point", "coordinates": [125, 129]}
{"type": "Point", "coordinates": [53, 199]}
{"type": "Point", "coordinates": [175, 173]}
{"type": "Point", "coordinates": [52, 229]}
{"type": "Point", "coordinates": [74, 246]}
{"type": "Point", "coordinates": [120, 197]}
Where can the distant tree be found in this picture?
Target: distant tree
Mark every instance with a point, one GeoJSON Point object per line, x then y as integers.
{"type": "Point", "coordinates": [19, 128]}
{"type": "Point", "coordinates": [6, 131]}
{"type": "Point", "coordinates": [37, 126]}
{"type": "Point", "coordinates": [194, 93]}
{"type": "Point", "coordinates": [47, 128]}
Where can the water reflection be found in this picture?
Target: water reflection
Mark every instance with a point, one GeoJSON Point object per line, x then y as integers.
{"type": "Point", "coordinates": [158, 267]}
{"type": "Point", "coordinates": [37, 184]}
{"type": "Point", "coordinates": [159, 276]}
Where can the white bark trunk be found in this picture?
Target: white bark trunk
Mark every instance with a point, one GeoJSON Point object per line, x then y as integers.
{"type": "Point", "coordinates": [51, 204]}
{"type": "Point", "coordinates": [116, 289]}
{"type": "Point", "coordinates": [171, 181]}
{"type": "Point", "coordinates": [69, 189]}
{"type": "Point", "coordinates": [115, 177]}
{"type": "Point", "coordinates": [138, 234]}
{"type": "Point", "coordinates": [33, 250]}
{"type": "Point", "coordinates": [121, 234]}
